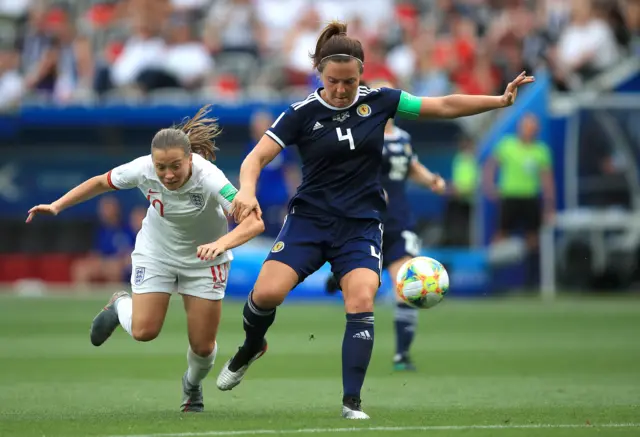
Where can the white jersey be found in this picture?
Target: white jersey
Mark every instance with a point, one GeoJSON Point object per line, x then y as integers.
{"type": "Point", "coordinates": [178, 221]}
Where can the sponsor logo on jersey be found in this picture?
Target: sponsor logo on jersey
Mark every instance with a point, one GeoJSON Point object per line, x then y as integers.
{"type": "Point", "coordinates": [278, 247]}
{"type": "Point", "coordinates": [317, 126]}
{"type": "Point", "coordinates": [341, 117]}
{"type": "Point", "coordinates": [138, 275]}
{"type": "Point", "coordinates": [228, 192]}
{"type": "Point", "coordinates": [364, 110]}
{"type": "Point", "coordinates": [197, 199]}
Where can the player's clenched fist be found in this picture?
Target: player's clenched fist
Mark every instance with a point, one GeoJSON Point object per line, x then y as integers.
{"type": "Point", "coordinates": [243, 204]}
{"type": "Point", "coordinates": [49, 209]}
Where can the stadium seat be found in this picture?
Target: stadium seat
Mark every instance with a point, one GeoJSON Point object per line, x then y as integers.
{"type": "Point", "coordinates": [54, 267]}
{"type": "Point", "coordinates": [73, 237]}
{"type": "Point", "coordinates": [10, 235]}
{"type": "Point", "coordinates": [38, 236]}
{"type": "Point", "coordinates": [17, 266]}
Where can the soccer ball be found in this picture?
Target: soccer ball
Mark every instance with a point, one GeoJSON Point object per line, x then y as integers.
{"type": "Point", "coordinates": [422, 282]}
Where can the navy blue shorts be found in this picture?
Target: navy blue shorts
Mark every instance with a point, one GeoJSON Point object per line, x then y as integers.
{"type": "Point", "coordinates": [306, 242]}
{"type": "Point", "coordinates": [399, 244]}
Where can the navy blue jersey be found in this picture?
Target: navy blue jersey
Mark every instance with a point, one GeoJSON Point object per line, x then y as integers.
{"type": "Point", "coordinates": [397, 156]}
{"type": "Point", "coordinates": [341, 151]}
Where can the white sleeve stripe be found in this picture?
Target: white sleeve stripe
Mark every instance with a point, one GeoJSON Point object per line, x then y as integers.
{"type": "Point", "coordinates": [311, 96]}
{"type": "Point", "coordinates": [275, 138]}
{"type": "Point", "coordinates": [277, 120]}
{"type": "Point", "coordinates": [306, 102]}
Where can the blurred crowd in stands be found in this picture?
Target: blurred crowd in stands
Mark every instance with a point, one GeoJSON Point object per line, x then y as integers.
{"type": "Point", "coordinates": [83, 50]}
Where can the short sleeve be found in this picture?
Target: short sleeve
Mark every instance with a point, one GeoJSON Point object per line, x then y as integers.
{"type": "Point", "coordinates": [286, 128]}
{"type": "Point", "coordinates": [220, 187]}
{"type": "Point", "coordinates": [129, 175]}
{"type": "Point", "coordinates": [545, 157]}
{"type": "Point", "coordinates": [391, 99]}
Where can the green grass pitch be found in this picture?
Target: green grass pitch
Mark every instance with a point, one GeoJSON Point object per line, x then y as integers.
{"type": "Point", "coordinates": [510, 368]}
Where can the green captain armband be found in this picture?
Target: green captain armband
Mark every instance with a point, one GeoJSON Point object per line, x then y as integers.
{"type": "Point", "coordinates": [229, 192]}
{"type": "Point", "coordinates": [408, 106]}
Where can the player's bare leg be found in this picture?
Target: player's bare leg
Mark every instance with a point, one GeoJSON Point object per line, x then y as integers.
{"type": "Point", "coordinates": [140, 315]}
{"type": "Point", "coordinates": [405, 321]}
{"type": "Point", "coordinates": [274, 283]}
{"type": "Point", "coordinates": [359, 288]}
{"type": "Point", "coordinates": [203, 318]}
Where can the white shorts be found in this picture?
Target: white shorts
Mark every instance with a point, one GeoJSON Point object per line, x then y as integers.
{"type": "Point", "coordinates": [151, 276]}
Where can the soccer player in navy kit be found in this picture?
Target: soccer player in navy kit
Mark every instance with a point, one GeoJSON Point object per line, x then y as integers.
{"type": "Point", "coordinates": [336, 214]}
{"type": "Point", "coordinates": [400, 243]}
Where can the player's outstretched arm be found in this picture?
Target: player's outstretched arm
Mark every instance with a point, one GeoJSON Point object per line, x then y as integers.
{"type": "Point", "coordinates": [245, 231]}
{"type": "Point", "coordinates": [261, 155]}
{"type": "Point", "coordinates": [87, 190]}
{"type": "Point", "coordinates": [460, 105]}
{"type": "Point", "coordinates": [421, 175]}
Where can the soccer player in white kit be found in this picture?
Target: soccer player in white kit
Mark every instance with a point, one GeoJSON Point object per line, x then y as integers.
{"type": "Point", "coordinates": [183, 245]}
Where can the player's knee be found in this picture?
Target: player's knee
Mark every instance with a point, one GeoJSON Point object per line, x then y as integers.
{"type": "Point", "coordinates": [268, 297]}
{"type": "Point", "coordinates": [203, 349]}
{"type": "Point", "coordinates": [144, 332]}
{"type": "Point", "coordinates": [360, 298]}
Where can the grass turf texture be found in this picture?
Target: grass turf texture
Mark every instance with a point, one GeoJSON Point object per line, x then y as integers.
{"type": "Point", "coordinates": [506, 363]}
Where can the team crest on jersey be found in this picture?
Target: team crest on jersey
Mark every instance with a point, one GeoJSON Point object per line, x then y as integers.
{"type": "Point", "coordinates": [139, 275]}
{"type": "Point", "coordinates": [278, 247]}
{"type": "Point", "coordinates": [341, 117]}
{"type": "Point", "coordinates": [197, 199]}
{"type": "Point", "coordinates": [364, 110]}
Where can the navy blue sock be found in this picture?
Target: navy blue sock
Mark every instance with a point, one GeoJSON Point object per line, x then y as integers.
{"type": "Point", "coordinates": [357, 346]}
{"type": "Point", "coordinates": [406, 319]}
{"type": "Point", "coordinates": [256, 322]}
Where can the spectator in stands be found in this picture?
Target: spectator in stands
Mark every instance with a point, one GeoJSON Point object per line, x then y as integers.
{"type": "Point", "coordinates": [587, 46]}
{"type": "Point", "coordinates": [189, 6]}
{"type": "Point", "coordinates": [143, 51]}
{"type": "Point", "coordinates": [278, 180]}
{"type": "Point", "coordinates": [136, 216]}
{"type": "Point", "coordinates": [276, 16]}
{"type": "Point", "coordinates": [186, 59]}
{"type": "Point", "coordinates": [482, 77]}
{"type": "Point", "coordinates": [114, 240]}
{"type": "Point", "coordinates": [377, 70]}
{"type": "Point", "coordinates": [11, 82]}
{"type": "Point", "coordinates": [526, 175]}
{"type": "Point", "coordinates": [38, 52]}
{"type": "Point", "coordinates": [300, 41]}
{"type": "Point", "coordinates": [233, 27]}
{"type": "Point", "coordinates": [74, 61]}
{"type": "Point", "coordinates": [631, 13]}
{"type": "Point", "coordinates": [430, 78]}
{"type": "Point", "coordinates": [462, 191]}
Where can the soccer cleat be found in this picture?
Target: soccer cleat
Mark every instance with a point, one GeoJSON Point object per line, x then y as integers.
{"type": "Point", "coordinates": [106, 321]}
{"type": "Point", "coordinates": [234, 369]}
{"type": "Point", "coordinates": [352, 409]}
{"type": "Point", "coordinates": [192, 401]}
{"type": "Point", "coordinates": [404, 364]}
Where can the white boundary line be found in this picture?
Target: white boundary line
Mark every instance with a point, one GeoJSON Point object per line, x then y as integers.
{"type": "Point", "coordinates": [382, 428]}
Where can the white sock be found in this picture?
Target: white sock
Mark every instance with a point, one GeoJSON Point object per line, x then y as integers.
{"type": "Point", "coordinates": [199, 367]}
{"type": "Point", "coordinates": [124, 308]}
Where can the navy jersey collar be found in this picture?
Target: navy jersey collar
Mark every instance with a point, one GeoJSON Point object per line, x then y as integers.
{"type": "Point", "coordinates": [321, 100]}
